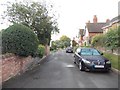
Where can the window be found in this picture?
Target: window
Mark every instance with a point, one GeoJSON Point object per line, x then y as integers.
{"type": "Point", "coordinates": [89, 52]}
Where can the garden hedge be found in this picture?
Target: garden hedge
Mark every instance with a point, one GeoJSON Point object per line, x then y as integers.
{"type": "Point", "coordinates": [20, 40]}
{"type": "Point", "coordinates": [41, 51]}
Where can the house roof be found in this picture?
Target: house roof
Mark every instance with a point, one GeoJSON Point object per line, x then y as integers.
{"type": "Point", "coordinates": [114, 20]}
{"type": "Point", "coordinates": [95, 27]}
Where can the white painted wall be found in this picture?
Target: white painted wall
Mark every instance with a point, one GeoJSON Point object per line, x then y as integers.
{"type": "Point", "coordinates": [86, 37]}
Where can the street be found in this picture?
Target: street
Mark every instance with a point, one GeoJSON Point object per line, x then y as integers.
{"type": "Point", "coordinates": [59, 71]}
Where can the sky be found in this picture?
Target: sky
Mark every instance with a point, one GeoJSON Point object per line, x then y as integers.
{"type": "Point", "coordinates": [73, 14]}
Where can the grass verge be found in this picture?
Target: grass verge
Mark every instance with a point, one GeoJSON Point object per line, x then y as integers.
{"type": "Point", "coordinates": [115, 60]}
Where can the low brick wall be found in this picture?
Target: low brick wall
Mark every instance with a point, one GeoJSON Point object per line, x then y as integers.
{"type": "Point", "coordinates": [115, 51]}
{"type": "Point", "coordinates": [13, 65]}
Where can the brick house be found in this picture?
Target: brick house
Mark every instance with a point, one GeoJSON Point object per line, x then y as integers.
{"type": "Point", "coordinates": [111, 24]}
{"type": "Point", "coordinates": [92, 29]}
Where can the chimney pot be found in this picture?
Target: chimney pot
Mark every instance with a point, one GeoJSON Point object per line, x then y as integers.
{"type": "Point", "coordinates": [95, 19]}
{"type": "Point", "coordinates": [89, 21]}
{"type": "Point", "coordinates": [107, 20]}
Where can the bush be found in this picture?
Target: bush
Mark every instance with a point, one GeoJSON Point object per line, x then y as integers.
{"type": "Point", "coordinates": [113, 38]}
{"type": "Point", "coordinates": [99, 40]}
{"type": "Point", "coordinates": [41, 51]}
{"type": "Point", "coordinates": [20, 40]}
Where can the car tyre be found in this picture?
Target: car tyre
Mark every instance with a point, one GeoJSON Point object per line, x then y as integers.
{"type": "Point", "coordinates": [81, 66]}
{"type": "Point", "coordinates": [74, 62]}
{"type": "Point", "coordinates": [108, 71]}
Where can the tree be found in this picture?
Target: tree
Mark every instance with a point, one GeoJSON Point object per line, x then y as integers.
{"type": "Point", "coordinates": [112, 39]}
{"type": "Point", "coordinates": [53, 45]}
{"type": "Point", "coordinates": [34, 15]}
{"type": "Point", "coordinates": [109, 40]}
{"type": "Point", "coordinates": [99, 40]}
{"type": "Point", "coordinates": [74, 43]}
{"type": "Point", "coordinates": [65, 41]}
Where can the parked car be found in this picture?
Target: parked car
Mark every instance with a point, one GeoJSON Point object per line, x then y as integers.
{"type": "Point", "coordinates": [91, 59]}
{"type": "Point", "coordinates": [69, 50]}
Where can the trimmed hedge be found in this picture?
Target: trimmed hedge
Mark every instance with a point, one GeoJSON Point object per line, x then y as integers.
{"type": "Point", "coordinates": [109, 40]}
{"type": "Point", "coordinates": [41, 51]}
{"type": "Point", "coordinates": [20, 40]}
{"type": "Point", "coordinates": [99, 40]}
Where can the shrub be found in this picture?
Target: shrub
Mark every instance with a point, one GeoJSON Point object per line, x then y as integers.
{"type": "Point", "coordinates": [20, 40]}
{"type": "Point", "coordinates": [41, 51]}
{"type": "Point", "coordinates": [109, 40]}
{"type": "Point", "coordinates": [99, 40]}
{"type": "Point", "coordinates": [113, 38]}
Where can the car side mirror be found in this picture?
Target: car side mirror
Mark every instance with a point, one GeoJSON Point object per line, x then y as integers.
{"type": "Point", "coordinates": [79, 53]}
{"type": "Point", "coordinates": [101, 53]}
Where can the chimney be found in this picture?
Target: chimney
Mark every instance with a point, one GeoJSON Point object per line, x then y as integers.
{"type": "Point", "coordinates": [95, 19]}
{"type": "Point", "coordinates": [88, 21]}
{"type": "Point", "coordinates": [107, 20]}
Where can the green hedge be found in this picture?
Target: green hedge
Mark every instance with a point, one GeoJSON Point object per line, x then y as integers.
{"type": "Point", "coordinates": [20, 40]}
{"type": "Point", "coordinates": [99, 40]}
{"type": "Point", "coordinates": [41, 51]}
{"type": "Point", "coordinates": [109, 40]}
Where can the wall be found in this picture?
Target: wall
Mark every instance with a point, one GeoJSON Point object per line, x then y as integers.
{"type": "Point", "coordinates": [115, 51]}
{"type": "Point", "coordinates": [13, 65]}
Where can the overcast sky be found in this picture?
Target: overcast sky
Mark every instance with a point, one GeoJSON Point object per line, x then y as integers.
{"type": "Point", "coordinates": [73, 14]}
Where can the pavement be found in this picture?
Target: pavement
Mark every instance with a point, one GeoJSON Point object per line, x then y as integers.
{"type": "Point", "coordinates": [59, 71]}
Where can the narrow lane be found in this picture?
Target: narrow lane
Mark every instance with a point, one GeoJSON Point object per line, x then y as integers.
{"type": "Point", "coordinates": [59, 71]}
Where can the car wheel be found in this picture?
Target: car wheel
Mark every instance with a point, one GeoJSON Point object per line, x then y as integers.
{"type": "Point", "coordinates": [81, 66]}
{"type": "Point", "coordinates": [108, 71]}
{"type": "Point", "coordinates": [74, 61]}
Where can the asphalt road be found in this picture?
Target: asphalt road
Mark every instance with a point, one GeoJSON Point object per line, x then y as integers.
{"type": "Point", "coordinates": [59, 71]}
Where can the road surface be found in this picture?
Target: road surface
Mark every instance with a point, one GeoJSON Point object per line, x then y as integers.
{"type": "Point", "coordinates": [59, 71]}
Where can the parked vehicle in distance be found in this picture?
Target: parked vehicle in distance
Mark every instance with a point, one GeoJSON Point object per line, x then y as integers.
{"type": "Point", "coordinates": [69, 50]}
{"type": "Point", "coordinates": [90, 59]}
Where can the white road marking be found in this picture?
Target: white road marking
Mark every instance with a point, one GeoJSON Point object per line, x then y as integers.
{"type": "Point", "coordinates": [68, 65]}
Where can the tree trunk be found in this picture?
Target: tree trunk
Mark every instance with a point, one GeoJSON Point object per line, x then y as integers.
{"type": "Point", "coordinates": [47, 50]}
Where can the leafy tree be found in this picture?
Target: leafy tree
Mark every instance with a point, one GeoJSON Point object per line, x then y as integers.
{"type": "Point", "coordinates": [74, 43]}
{"type": "Point", "coordinates": [62, 43]}
{"type": "Point", "coordinates": [34, 15]}
{"type": "Point", "coordinates": [57, 44]}
{"type": "Point", "coordinates": [53, 45]}
{"type": "Point", "coordinates": [65, 41]}
{"type": "Point", "coordinates": [99, 40]}
{"type": "Point", "coordinates": [112, 39]}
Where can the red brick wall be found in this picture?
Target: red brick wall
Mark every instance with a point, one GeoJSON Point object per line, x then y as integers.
{"type": "Point", "coordinates": [13, 65]}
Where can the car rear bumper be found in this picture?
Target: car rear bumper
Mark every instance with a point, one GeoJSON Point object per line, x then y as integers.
{"type": "Point", "coordinates": [69, 51]}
